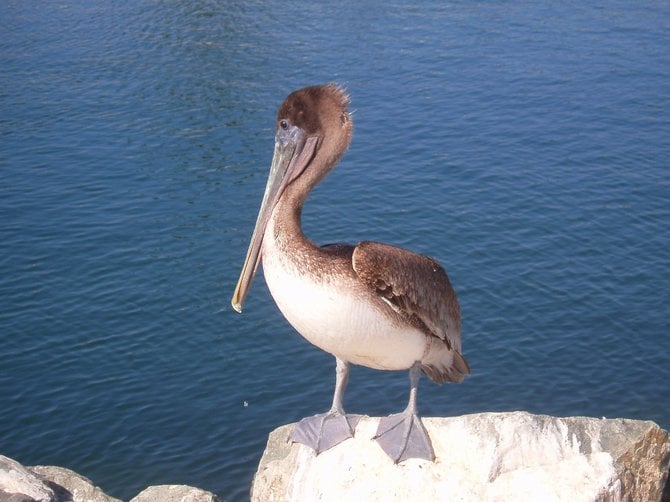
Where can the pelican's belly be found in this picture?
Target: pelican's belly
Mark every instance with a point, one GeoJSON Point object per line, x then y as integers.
{"type": "Point", "coordinates": [330, 315]}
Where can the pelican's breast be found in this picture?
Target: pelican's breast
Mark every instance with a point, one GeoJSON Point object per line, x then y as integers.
{"type": "Point", "coordinates": [333, 311]}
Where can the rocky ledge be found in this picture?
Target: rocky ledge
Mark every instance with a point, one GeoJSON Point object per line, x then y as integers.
{"type": "Point", "coordinates": [45, 483]}
{"type": "Point", "coordinates": [487, 456]}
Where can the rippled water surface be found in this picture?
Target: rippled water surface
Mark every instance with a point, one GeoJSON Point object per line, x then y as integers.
{"type": "Point", "coordinates": [526, 146]}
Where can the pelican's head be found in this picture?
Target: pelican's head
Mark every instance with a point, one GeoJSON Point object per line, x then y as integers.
{"type": "Point", "coordinates": [312, 131]}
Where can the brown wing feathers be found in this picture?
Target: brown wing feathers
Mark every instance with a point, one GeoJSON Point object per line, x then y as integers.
{"type": "Point", "coordinates": [416, 287]}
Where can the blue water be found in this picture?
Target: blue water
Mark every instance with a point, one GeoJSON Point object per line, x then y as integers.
{"type": "Point", "coordinates": [526, 146]}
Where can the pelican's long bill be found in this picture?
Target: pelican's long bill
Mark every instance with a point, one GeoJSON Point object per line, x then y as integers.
{"type": "Point", "coordinates": [293, 152]}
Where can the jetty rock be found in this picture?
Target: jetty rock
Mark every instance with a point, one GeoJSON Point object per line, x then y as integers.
{"type": "Point", "coordinates": [489, 456]}
{"type": "Point", "coordinates": [47, 483]}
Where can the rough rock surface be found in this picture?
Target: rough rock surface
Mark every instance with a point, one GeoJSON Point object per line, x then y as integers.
{"type": "Point", "coordinates": [488, 456]}
{"type": "Point", "coordinates": [68, 485]}
{"type": "Point", "coordinates": [18, 483]}
{"type": "Point", "coordinates": [57, 484]}
{"type": "Point", "coordinates": [175, 493]}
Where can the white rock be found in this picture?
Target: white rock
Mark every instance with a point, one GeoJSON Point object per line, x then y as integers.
{"type": "Point", "coordinates": [16, 480]}
{"type": "Point", "coordinates": [174, 493]}
{"type": "Point", "coordinates": [46, 483]}
{"type": "Point", "coordinates": [70, 486]}
{"type": "Point", "coordinates": [490, 456]}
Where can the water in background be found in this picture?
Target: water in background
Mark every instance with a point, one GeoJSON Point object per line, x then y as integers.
{"type": "Point", "coordinates": [526, 146]}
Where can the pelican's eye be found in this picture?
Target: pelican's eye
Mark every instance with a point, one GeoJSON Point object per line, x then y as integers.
{"type": "Point", "coordinates": [283, 124]}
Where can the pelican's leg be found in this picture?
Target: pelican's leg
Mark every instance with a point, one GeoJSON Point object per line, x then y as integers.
{"type": "Point", "coordinates": [403, 436]}
{"type": "Point", "coordinates": [326, 430]}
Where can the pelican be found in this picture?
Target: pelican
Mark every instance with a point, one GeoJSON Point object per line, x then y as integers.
{"type": "Point", "coordinates": [371, 304]}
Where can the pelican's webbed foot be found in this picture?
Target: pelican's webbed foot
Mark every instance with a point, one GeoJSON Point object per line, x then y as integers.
{"type": "Point", "coordinates": [322, 432]}
{"type": "Point", "coordinates": [404, 436]}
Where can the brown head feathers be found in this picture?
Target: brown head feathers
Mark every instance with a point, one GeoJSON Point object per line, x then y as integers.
{"type": "Point", "coordinates": [316, 108]}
